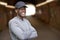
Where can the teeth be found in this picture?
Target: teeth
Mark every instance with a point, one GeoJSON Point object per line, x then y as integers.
{"type": "Point", "coordinates": [23, 14]}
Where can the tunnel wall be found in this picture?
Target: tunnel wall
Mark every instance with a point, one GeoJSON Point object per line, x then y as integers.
{"type": "Point", "coordinates": [50, 14]}
{"type": "Point", "coordinates": [5, 15]}
{"type": "Point", "coordinates": [3, 18]}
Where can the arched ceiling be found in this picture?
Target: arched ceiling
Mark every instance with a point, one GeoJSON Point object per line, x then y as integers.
{"type": "Point", "coordinates": [12, 2]}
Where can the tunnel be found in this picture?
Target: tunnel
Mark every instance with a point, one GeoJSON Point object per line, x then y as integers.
{"type": "Point", "coordinates": [46, 19]}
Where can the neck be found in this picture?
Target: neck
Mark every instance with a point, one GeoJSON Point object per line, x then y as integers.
{"type": "Point", "coordinates": [20, 17]}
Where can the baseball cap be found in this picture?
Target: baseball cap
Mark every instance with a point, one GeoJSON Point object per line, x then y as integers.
{"type": "Point", "coordinates": [20, 4]}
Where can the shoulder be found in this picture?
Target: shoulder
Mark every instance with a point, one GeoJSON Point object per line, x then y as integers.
{"type": "Point", "coordinates": [12, 20]}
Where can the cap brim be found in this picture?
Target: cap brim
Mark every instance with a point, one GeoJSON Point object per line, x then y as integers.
{"type": "Point", "coordinates": [25, 6]}
{"type": "Point", "coordinates": [21, 7]}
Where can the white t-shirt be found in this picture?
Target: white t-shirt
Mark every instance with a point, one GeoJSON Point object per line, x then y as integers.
{"type": "Point", "coordinates": [21, 29]}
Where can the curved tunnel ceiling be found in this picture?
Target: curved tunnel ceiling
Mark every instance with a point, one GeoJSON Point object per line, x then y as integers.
{"type": "Point", "coordinates": [12, 2]}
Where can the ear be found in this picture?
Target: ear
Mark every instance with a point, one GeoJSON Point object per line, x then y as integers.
{"type": "Point", "coordinates": [16, 11]}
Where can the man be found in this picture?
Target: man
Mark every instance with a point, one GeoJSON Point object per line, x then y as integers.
{"type": "Point", "coordinates": [19, 27]}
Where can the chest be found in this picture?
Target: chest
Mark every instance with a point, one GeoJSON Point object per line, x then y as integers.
{"type": "Point", "coordinates": [23, 25]}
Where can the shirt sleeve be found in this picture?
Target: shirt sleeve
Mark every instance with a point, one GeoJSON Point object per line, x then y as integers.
{"type": "Point", "coordinates": [16, 30]}
{"type": "Point", "coordinates": [32, 30]}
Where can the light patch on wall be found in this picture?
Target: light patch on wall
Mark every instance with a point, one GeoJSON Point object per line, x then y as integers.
{"type": "Point", "coordinates": [30, 10]}
{"type": "Point", "coordinates": [43, 3]}
{"type": "Point", "coordinates": [3, 3]}
{"type": "Point", "coordinates": [40, 12]}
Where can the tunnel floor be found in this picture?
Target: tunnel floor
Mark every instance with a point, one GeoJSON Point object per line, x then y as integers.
{"type": "Point", "coordinates": [44, 32]}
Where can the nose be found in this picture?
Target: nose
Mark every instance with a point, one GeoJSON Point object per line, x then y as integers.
{"type": "Point", "coordinates": [24, 10]}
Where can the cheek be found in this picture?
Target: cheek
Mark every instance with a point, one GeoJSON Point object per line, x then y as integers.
{"type": "Point", "coordinates": [25, 11]}
{"type": "Point", "coordinates": [20, 11]}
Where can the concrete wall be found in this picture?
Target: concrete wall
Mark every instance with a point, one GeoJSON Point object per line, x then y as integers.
{"type": "Point", "coordinates": [50, 14]}
{"type": "Point", "coordinates": [5, 15]}
{"type": "Point", "coordinates": [3, 18]}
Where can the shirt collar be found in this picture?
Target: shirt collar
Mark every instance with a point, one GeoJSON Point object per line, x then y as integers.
{"type": "Point", "coordinates": [19, 17]}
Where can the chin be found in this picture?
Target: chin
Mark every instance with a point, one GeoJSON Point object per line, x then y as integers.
{"type": "Point", "coordinates": [23, 16]}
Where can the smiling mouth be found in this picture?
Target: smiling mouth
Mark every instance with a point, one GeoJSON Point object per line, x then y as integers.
{"type": "Point", "coordinates": [23, 14]}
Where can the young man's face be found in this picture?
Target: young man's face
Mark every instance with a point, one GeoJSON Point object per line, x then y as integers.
{"type": "Point", "coordinates": [22, 12]}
